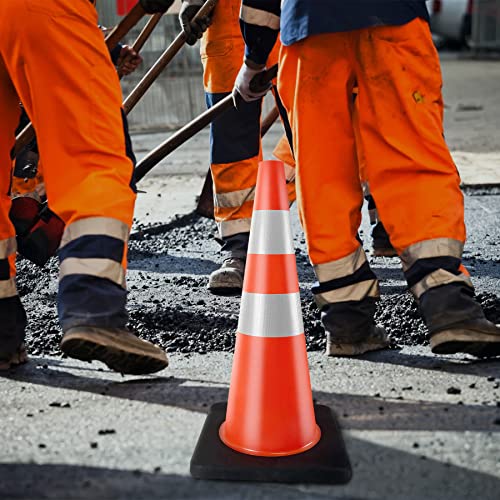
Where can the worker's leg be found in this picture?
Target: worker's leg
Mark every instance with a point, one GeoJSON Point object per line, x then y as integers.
{"type": "Point", "coordinates": [80, 136]}
{"type": "Point", "coordinates": [381, 244]}
{"type": "Point", "coordinates": [234, 141]}
{"type": "Point", "coordinates": [400, 108]}
{"type": "Point", "coordinates": [412, 175]}
{"type": "Point", "coordinates": [81, 140]}
{"type": "Point", "coordinates": [315, 83]}
{"type": "Point", "coordinates": [234, 146]}
{"type": "Point", "coordinates": [12, 316]}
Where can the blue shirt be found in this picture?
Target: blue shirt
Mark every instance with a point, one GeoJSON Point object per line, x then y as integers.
{"type": "Point", "coordinates": [303, 18]}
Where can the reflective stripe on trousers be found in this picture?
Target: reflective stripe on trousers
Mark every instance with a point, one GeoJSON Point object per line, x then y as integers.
{"type": "Point", "coordinates": [432, 263]}
{"type": "Point", "coordinates": [94, 247]}
{"type": "Point", "coordinates": [235, 146]}
{"type": "Point", "coordinates": [92, 288]}
{"type": "Point", "coordinates": [411, 173]}
{"type": "Point", "coordinates": [347, 279]}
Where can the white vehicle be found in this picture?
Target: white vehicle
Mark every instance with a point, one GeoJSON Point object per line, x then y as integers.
{"type": "Point", "coordinates": [451, 19]}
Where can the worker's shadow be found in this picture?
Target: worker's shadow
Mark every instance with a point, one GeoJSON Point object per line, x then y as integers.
{"type": "Point", "coordinates": [379, 471]}
{"type": "Point", "coordinates": [459, 364]}
{"type": "Point", "coordinates": [78, 482]}
{"type": "Point", "coordinates": [170, 264]}
{"type": "Point", "coordinates": [483, 267]}
{"type": "Point", "coordinates": [357, 412]}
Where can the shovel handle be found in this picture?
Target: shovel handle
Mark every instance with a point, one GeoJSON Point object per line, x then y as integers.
{"type": "Point", "coordinates": [149, 78]}
{"type": "Point", "coordinates": [124, 26]}
{"type": "Point", "coordinates": [190, 129]}
{"type": "Point", "coordinates": [180, 137]}
{"type": "Point", "coordinates": [261, 81]}
{"type": "Point", "coordinates": [269, 120]}
{"type": "Point", "coordinates": [146, 31]}
{"type": "Point", "coordinates": [144, 35]}
{"type": "Point", "coordinates": [24, 137]}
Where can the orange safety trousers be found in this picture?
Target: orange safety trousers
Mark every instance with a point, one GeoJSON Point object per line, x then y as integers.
{"type": "Point", "coordinates": [235, 137]}
{"type": "Point", "coordinates": [54, 60]}
{"type": "Point", "coordinates": [408, 166]}
{"type": "Point", "coordinates": [283, 152]}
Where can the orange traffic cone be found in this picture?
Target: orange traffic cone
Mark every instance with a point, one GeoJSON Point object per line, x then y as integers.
{"type": "Point", "coordinates": [268, 431]}
{"type": "Point", "coordinates": [270, 382]}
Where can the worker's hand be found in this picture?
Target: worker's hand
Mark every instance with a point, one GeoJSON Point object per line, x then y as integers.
{"type": "Point", "coordinates": [154, 6]}
{"type": "Point", "coordinates": [128, 61]}
{"type": "Point", "coordinates": [244, 87]}
{"type": "Point", "coordinates": [193, 29]}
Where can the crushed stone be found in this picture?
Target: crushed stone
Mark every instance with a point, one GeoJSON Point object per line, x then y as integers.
{"type": "Point", "coordinates": [176, 311]}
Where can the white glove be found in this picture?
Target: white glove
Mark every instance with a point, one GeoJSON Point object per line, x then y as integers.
{"type": "Point", "coordinates": [242, 84]}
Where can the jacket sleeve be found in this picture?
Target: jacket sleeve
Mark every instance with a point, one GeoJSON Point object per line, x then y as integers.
{"type": "Point", "coordinates": [260, 25]}
{"type": "Point", "coordinates": [115, 53]}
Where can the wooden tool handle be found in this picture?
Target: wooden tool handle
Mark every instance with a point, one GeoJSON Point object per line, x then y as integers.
{"type": "Point", "coordinates": [125, 25]}
{"type": "Point", "coordinates": [144, 35]}
{"type": "Point", "coordinates": [148, 79]}
{"type": "Point", "coordinates": [192, 128]}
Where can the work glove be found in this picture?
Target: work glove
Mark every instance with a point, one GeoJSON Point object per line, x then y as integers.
{"type": "Point", "coordinates": [155, 6]}
{"type": "Point", "coordinates": [193, 30]}
{"type": "Point", "coordinates": [247, 84]}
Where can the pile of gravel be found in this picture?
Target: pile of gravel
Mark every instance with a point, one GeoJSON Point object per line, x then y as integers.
{"type": "Point", "coordinates": [177, 312]}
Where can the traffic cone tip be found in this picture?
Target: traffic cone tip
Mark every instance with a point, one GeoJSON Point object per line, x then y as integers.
{"type": "Point", "coordinates": [271, 193]}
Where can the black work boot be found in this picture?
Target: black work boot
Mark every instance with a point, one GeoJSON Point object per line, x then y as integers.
{"type": "Point", "coordinates": [350, 328]}
{"type": "Point", "coordinates": [456, 322]}
{"type": "Point", "coordinates": [12, 330]}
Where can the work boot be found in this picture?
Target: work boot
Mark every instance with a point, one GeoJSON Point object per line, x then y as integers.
{"type": "Point", "coordinates": [118, 348]}
{"type": "Point", "coordinates": [12, 330]}
{"type": "Point", "coordinates": [376, 339]}
{"type": "Point", "coordinates": [13, 359]}
{"type": "Point", "coordinates": [228, 279]}
{"type": "Point", "coordinates": [456, 322]}
{"type": "Point", "coordinates": [382, 246]}
{"type": "Point", "coordinates": [350, 328]}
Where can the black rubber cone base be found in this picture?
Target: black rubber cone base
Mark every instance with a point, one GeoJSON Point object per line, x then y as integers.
{"type": "Point", "coordinates": [326, 463]}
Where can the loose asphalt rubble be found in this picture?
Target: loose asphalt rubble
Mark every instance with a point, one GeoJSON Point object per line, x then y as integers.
{"type": "Point", "coordinates": [170, 305]}
{"type": "Point", "coordinates": [417, 426]}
